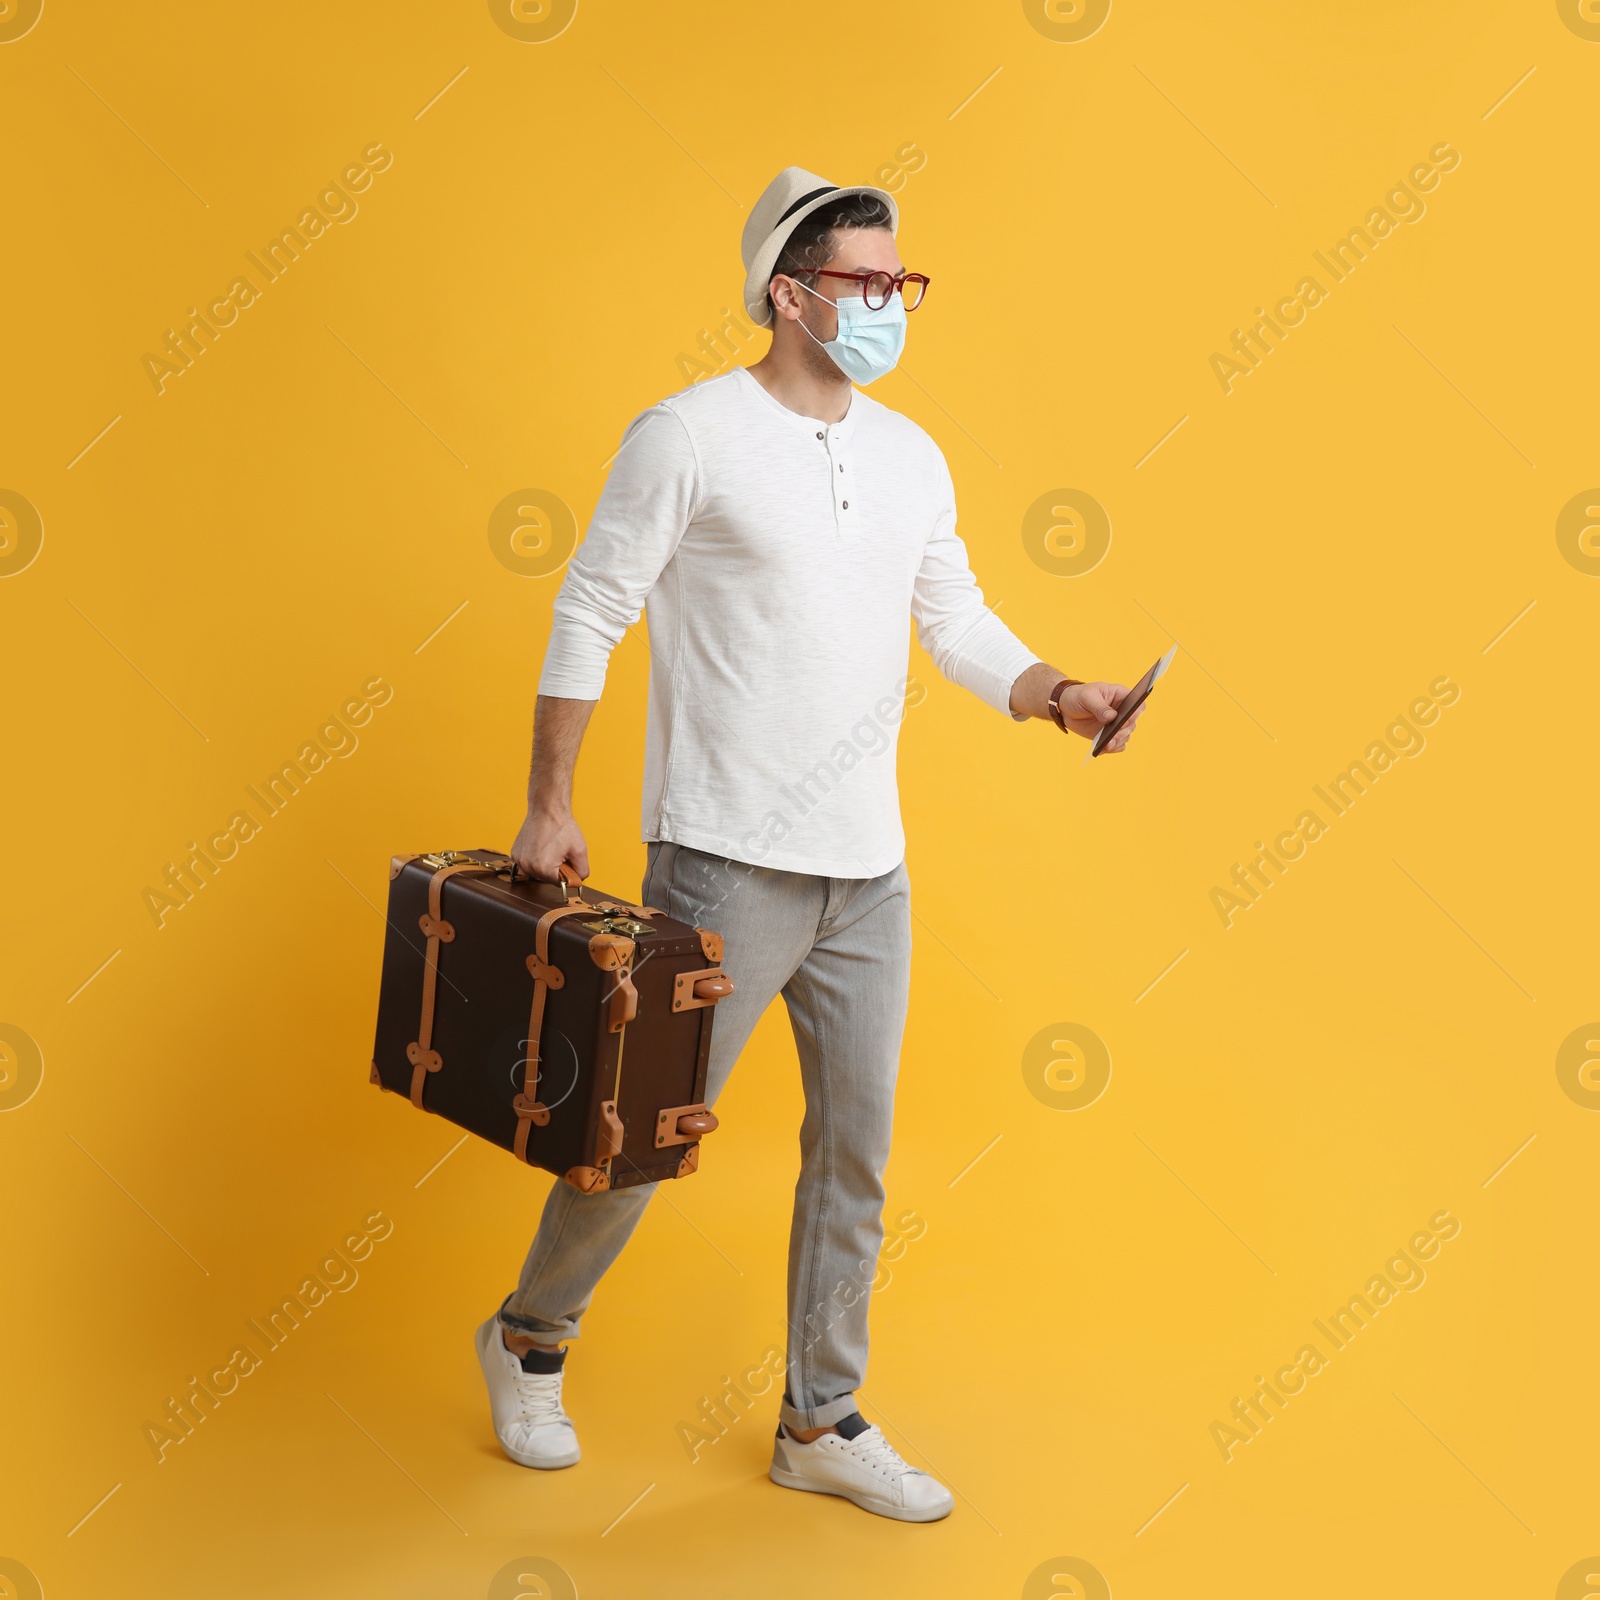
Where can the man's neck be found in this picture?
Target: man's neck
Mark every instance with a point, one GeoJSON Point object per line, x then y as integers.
{"type": "Point", "coordinates": [796, 384]}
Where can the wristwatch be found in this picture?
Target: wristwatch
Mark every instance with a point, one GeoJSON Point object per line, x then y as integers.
{"type": "Point", "coordinates": [1054, 701]}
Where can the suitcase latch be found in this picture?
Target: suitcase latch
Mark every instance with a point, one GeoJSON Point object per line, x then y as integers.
{"type": "Point", "coordinates": [617, 922]}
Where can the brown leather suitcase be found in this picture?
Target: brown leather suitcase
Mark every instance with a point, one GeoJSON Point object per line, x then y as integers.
{"type": "Point", "coordinates": [571, 1030]}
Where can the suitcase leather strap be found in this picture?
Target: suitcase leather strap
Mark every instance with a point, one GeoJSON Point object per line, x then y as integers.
{"type": "Point", "coordinates": [530, 1111]}
{"type": "Point", "coordinates": [423, 1058]}
{"type": "Point", "coordinates": [419, 1053]}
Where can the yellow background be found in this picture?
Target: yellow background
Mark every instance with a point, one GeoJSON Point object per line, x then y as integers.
{"type": "Point", "coordinates": [301, 511]}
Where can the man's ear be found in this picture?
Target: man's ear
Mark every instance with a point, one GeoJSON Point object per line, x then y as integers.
{"type": "Point", "coordinates": [787, 300]}
{"type": "Point", "coordinates": [781, 292]}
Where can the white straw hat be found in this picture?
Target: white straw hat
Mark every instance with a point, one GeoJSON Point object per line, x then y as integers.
{"type": "Point", "coordinates": [786, 202]}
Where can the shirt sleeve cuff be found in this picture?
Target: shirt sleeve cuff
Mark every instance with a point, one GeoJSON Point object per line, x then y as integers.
{"type": "Point", "coordinates": [994, 682]}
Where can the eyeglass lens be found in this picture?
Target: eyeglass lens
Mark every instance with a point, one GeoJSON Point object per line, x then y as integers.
{"type": "Point", "coordinates": [880, 286]}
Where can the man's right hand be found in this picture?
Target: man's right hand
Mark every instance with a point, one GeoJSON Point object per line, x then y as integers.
{"type": "Point", "coordinates": [546, 840]}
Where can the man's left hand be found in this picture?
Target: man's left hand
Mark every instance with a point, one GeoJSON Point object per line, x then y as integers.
{"type": "Point", "coordinates": [1087, 707]}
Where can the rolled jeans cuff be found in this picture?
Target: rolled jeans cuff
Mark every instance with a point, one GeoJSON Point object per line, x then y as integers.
{"type": "Point", "coordinates": [536, 1327]}
{"type": "Point", "coordinates": [823, 1416]}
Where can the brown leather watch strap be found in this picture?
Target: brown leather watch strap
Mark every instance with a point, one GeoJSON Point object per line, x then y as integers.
{"type": "Point", "coordinates": [1054, 701]}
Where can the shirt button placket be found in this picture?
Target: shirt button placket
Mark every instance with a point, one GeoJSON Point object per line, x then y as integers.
{"type": "Point", "coordinates": [842, 517]}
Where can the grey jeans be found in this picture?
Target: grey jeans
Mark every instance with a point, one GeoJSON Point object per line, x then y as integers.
{"type": "Point", "coordinates": [839, 952]}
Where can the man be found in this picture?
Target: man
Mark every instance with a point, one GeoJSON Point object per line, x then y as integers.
{"type": "Point", "coordinates": [782, 528]}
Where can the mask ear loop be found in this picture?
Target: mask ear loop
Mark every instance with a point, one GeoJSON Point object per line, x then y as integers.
{"type": "Point", "coordinates": [821, 344]}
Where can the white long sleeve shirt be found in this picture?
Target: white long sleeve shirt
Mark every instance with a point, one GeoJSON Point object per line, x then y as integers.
{"type": "Point", "coordinates": [780, 560]}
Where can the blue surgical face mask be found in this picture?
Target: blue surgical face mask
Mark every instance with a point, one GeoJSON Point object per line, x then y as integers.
{"type": "Point", "coordinates": [869, 342]}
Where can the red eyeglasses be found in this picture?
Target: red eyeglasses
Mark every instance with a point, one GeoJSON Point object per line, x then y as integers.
{"type": "Point", "coordinates": [878, 286]}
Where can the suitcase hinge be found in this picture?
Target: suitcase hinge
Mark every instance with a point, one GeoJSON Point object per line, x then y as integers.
{"type": "Point", "coordinates": [608, 1141]}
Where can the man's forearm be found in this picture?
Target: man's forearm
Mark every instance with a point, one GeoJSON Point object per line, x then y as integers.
{"type": "Point", "coordinates": [1030, 694]}
{"type": "Point", "coordinates": [558, 729]}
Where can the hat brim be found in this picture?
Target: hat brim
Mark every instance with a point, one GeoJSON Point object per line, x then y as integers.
{"type": "Point", "coordinates": [766, 258]}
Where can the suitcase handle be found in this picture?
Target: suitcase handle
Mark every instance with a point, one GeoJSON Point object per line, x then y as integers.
{"type": "Point", "coordinates": [679, 1125]}
{"type": "Point", "coordinates": [571, 883]}
{"type": "Point", "coordinates": [691, 990]}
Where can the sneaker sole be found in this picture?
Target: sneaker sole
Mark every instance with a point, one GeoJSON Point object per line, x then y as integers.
{"type": "Point", "coordinates": [539, 1463]}
{"type": "Point", "coordinates": [880, 1508]}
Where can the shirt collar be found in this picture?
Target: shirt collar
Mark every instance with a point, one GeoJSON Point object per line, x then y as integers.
{"type": "Point", "coordinates": [842, 429]}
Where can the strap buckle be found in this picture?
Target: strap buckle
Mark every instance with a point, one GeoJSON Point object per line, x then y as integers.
{"type": "Point", "coordinates": [440, 859]}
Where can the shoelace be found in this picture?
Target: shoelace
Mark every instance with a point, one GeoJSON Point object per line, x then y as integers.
{"type": "Point", "coordinates": [871, 1449]}
{"type": "Point", "coordinates": [540, 1397]}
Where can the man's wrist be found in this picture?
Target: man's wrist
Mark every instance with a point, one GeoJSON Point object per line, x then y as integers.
{"type": "Point", "coordinates": [1030, 694]}
{"type": "Point", "coordinates": [550, 808]}
{"type": "Point", "coordinates": [1053, 703]}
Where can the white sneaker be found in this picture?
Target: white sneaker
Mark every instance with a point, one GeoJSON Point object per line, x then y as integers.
{"type": "Point", "coordinates": [526, 1406]}
{"type": "Point", "coordinates": [866, 1470]}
